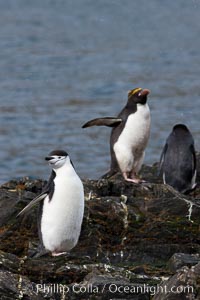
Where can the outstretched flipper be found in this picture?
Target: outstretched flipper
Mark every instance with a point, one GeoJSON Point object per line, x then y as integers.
{"type": "Point", "coordinates": [47, 191]}
{"type": "Point", "coordinates": [32, 203]}
{"type": "Point", "coordinates": [107, 121]}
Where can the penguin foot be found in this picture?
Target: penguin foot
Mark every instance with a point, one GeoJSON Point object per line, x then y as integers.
{"type": "Point", "coordinates": [58, 253]}
{"type": "Point", "coordinates": [142, 181]}
{"type": "Point", "coordinates": [133, 178]}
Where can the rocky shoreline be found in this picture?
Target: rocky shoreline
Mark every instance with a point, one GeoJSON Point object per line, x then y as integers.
{"type": "Point", "coordinates": [138, 241]}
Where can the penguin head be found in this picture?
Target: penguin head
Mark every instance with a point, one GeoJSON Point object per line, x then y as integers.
{"type": "Point", "coordinates": [56, 158]}
{"type": "Point", "coordinates": [138, 95]}
{"type": "Point", "coordinates": [181, 130]}
{"type": "Point", "coordinates": [181, 127]}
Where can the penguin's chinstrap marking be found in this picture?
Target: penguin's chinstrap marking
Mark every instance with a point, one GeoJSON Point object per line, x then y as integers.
{"type": "Point", "coordinates": [62, 205]}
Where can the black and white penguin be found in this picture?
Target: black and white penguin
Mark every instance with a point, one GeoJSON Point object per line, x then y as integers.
{"type": "Point", "coordinates": [62, 205]}
{"type": "Point", "coordinates": [129, 136]}
{"type": "Point", "coordinates": [178, 160]}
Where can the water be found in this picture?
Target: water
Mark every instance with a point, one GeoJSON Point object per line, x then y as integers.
{"type": "Point", "coordinates": [65, 62]}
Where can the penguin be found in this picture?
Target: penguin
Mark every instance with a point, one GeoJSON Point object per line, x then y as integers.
{"type": "Point", "coordinates": [129, 135]}
{"type": "Point", "coordinates": [61, 205]}
{"type": "Point", "coordinates": [178, 160]}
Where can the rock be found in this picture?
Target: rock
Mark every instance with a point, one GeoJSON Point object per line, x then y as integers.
{"type": "Point", "coordinates": [14, 286]}
{"type": "Point", "coordinates": [129, 233]}
{"type": "Point", "coordinates": [182, 286]}
{"type": "Point", "coordinates": [179, 260]}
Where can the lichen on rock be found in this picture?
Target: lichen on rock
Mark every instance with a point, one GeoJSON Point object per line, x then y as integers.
{"type": "Point", "coordinates": [129, 233]}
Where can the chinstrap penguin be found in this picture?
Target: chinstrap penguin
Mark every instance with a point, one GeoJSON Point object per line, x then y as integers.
{"type": "Point", "coordinates": [178, 160]}
{"type": "Point", "coordinates": [129, 135]}
{"type": "Point", "coordinates": [61, 205]}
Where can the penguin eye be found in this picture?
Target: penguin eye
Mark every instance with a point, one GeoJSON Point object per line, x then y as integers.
{"type": "Point", "coordinates": [59, 157]}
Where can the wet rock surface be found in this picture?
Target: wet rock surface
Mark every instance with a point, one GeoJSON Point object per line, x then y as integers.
{"type": "Point", "coordinates": [138, 241]}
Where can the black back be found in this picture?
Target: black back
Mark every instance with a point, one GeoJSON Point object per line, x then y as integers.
{"type": "Point", "coordinates": [178, 159]}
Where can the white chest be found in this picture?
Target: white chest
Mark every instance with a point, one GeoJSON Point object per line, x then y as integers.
{"type": "Point", "coordinates": [136, 132]}
{"type": "Point", "coordinates": [62, 216]}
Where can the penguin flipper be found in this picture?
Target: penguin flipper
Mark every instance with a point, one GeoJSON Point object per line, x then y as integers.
{"type": "Point", "coordinates": [162, 159]}
{"type": "Point", "coordinates": [32, 203]}
{"type": "Point", "coordinates": [47, 191]}
{"type": "Point", "coordinates": [107, 121]}
{"type": "Point", "coordinates": [194, 160]}
{"type": "Point", "coordinates": [194, 167]}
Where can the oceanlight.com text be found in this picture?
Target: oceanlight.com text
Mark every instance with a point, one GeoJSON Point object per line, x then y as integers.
{"type": "Point", "coordinates": [112, 289]}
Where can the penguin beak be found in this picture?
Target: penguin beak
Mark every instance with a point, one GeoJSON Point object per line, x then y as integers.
{"type": "Point", "coordinates": [48, 158]}
{"type": "Point", "coordinates": [144, 92]}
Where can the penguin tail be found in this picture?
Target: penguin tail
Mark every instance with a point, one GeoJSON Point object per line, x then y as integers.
{"type": "Point", "coordinates": [109, 174]}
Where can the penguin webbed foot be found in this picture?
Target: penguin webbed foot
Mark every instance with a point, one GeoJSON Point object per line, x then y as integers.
{"type": "Point", "coordinates": [132, 177]}
{"type": "Point", "coordinates": [127, 176]}
{"type": "Point", "coordinates": [58, 253]}
{"type": "Point", "coordinates": [132, 180]}
{"type": "Point", "coordinates": [136, 181]}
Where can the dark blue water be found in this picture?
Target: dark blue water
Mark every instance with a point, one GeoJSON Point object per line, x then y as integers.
{"type": "Point", "coordinates": [65, 62]}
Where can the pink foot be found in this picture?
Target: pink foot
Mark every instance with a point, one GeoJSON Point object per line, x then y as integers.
{"type": "Point", "coordinates": [58, 253]}
{"type": "Point", "coordinates": [133, 178]}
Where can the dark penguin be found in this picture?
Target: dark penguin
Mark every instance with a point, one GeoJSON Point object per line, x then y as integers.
{"type": "Point", "coordinates": [129, 136]}
{"type": "Point", "coordinates": [62, 205]}
{"type": "Point", "coordinates": [178, 160]}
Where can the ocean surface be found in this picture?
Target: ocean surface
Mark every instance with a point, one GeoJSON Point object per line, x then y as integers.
{"type": "Point", "coordinates": [65, 62]}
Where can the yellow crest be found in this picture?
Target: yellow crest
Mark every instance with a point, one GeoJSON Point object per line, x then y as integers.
{"type": "Point", "coordinates": [134, 91]}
